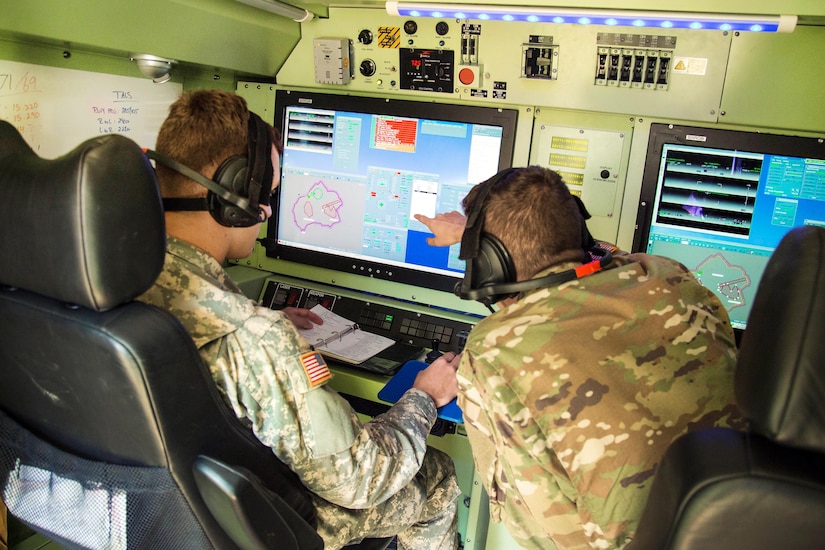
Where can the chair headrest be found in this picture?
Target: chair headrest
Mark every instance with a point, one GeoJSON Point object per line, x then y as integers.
{"type": "Point", "coordinates": [86, 228]}
{"type": "Point", "coordinates": [780, 375]}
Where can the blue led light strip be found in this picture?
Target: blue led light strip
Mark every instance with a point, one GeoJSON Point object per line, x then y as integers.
{"type": "Point", "coordinates": [610, 18]}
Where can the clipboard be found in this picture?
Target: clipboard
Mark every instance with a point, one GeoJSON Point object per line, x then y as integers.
{"type": "Point", "coordinates": [341, 339]}
{"type": "Point", "coordinates": [403, 380]}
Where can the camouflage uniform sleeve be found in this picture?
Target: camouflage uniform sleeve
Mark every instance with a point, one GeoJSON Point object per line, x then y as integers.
{"type": "Point", "coordinates": [523, 489]}
{"type": "Point", "coordinates": [313, 429]}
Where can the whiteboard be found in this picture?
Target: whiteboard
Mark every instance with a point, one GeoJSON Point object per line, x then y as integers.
{"type": "Point", "coordinates": [56, 109]}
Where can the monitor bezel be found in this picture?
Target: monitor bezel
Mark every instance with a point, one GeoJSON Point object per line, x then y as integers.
{"type": "Point", "coordinates": [472, 114]}
{"type": "Point", "coordinates": [662, 134]}
{"type": "Point", "coordinates": [749, 141]}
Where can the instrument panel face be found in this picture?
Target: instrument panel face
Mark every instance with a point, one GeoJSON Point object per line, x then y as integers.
{"type": "Point", "coordinates": [426, 70]}
{"type": "Point", "coordinates": [652, 72]}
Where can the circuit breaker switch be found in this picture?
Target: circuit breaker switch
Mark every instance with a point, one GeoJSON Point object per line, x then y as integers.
{"type": "Point", "coordinates": [470, 36]}
{"type": "Point", "coordinates": [540, 58]}
{"type": "Point", "coordinates": [662, 81]}
{"type": "Point", "coordinates": [640, 61]}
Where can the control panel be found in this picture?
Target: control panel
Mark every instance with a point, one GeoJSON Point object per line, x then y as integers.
{"type": "Point", "coordinates": [413, 333]}
{"type": "Point", "coordinates": [332, 60]}
{"type": "Point", "coordinates": [427, 70]}
{"type": "Point", "coordinates": [670, 72]}
{"type": "Point", "coordinates": [591, 154]}
{"type": "Point", "coordinates": [418, 330]}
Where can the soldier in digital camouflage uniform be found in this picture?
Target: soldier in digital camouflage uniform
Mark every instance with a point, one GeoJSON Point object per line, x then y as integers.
{"type": "Point", "coordinates": [367, 480]}
{"type": "Point", "coordinates": [572, 393]}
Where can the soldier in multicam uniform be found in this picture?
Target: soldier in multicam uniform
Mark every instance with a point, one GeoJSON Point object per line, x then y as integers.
{"type": "Point", "coordinates": [367, 480]}
{"type": "Point", "coordinates": [571, 393]}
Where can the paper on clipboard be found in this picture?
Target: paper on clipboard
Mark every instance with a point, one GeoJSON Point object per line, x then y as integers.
{"type": "Point", "coordinates": [342, 339]}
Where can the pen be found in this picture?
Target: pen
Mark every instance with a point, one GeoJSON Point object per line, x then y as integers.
{"type": "Point", "coordinates": [335, 336]}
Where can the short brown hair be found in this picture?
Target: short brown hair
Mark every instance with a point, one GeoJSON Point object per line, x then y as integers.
{"type": "Point", "coordinates": [533, 214]}
{"type": "Point", "coordinates": [203, 128]}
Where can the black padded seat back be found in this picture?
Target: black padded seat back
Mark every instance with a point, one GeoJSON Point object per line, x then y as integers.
{"type": "Point", "coordinates": [82, 234]}
{"type": "Point", "coordinates": [763, 488]}
{"type": "Point", "coordinates": [90, 387]}
{"type": "Point", "coordinates": [126, 391]}
{"type": "Point", "coordinates": [718, 489]}
{"type": "Point", "coordinates": [86, 228]}
{"type": "Point", "coordinates": [106, 407]}
{"type": "Point", "coordinates": [780, 378]}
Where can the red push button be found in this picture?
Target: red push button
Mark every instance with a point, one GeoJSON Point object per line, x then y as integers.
{"type": "Point", "coordinates": [466, 76]}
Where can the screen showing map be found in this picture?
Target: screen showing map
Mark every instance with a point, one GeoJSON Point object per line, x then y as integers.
{"type": "Point", "coordinates": [719, 202]}
{"type": "Point", "coordinates": [355, 170]}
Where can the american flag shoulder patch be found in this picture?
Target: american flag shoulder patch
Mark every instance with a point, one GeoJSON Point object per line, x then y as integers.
{"type": "Point", "coordinates": [315, 368]}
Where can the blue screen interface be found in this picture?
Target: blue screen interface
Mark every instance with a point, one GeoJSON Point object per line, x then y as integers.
{"type": "Point", "coordinates": [721, 213]}
{"type": "Point", "coordinates": [351, 183]}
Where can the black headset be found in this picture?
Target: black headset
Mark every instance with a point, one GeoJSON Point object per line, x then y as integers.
{"type": "Point", "coordinates": [240, 186]}
{"type": "Point", "coordinates": [490, 275]}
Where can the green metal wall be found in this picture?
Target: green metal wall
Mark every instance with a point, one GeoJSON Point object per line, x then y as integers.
{"type": "Point", "coordinates": [215, 42]}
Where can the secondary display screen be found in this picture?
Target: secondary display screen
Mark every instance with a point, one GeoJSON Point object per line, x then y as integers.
{"type": "Point", "coordinates": [355, 170]}
{"type": "Point", "coordinates": [719, 202]}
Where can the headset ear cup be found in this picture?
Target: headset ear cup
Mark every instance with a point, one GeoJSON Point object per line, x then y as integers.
{"type": "Point", "coordinates": [488, 262]}
{"type": "Point", "coordinates": [492, 266]}
{"type": "Point", "coordinates": [228, 214]}
{"type": "Point", "coordinates": [232, 176]}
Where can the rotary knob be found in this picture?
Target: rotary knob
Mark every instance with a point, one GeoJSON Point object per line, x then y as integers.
{"type": "Point", "coordinates": [365, 37]}
{"type": "Point", "coordinates": [367, 67]}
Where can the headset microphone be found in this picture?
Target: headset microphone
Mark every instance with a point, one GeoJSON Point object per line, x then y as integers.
{"type": "Point", "coordinates": [491, 292]}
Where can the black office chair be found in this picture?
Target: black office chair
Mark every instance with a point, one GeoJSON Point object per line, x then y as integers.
{"type": "Point", "coordinates": [764, 488]}
{"type": "Point", "coordinates": [112, 433]}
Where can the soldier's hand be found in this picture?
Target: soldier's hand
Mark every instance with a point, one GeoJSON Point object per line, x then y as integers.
{"type": "Point", "coordinates": [302, 318]}
{"type": "Point", "coordinates": [447, 228]}
{"type": "Point", "coordinates": [438, 380]}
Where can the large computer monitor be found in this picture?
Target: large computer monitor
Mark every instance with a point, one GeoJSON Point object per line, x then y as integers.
{"type": "Point", "coordinates": [355, 170]}
{"type": "Point", "coordinates": [719, 201]}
